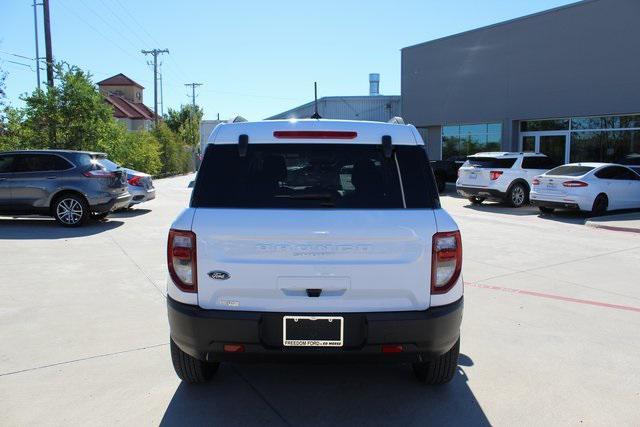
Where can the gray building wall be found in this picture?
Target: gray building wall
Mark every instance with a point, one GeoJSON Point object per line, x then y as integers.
{"type": "Point", "coordinates": [578, 60]}
{"type": "Point", "coordinates": [380, 108]}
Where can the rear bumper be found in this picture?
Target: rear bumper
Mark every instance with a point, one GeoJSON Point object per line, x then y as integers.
{"type": "Point", "coordinates": [423, 334]}
{"type": "Point", "coordinates": [554, 205]}
{"type": "Point", "coordinates": [119, 202]}
{"type": "Point", "coordinates": [141, 194]}
{"type": "Point", "coordinates": [487, 193]}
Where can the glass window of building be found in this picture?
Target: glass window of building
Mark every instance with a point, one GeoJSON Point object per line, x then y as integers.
{"type": "Point", "coordinates": [544, 125]}
{"type": "Point", "coordinates": [464, 140]}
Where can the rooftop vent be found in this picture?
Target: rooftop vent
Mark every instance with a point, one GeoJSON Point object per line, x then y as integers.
{"type": "Point", "coordinates": [374, 84]}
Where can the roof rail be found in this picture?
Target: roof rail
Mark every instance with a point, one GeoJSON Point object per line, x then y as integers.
{"type": "Point", "coordinates": [397, 120]}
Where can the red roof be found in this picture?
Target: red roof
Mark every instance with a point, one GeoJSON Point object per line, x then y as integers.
{"type": "Point", "coordinates": [119, 80]}
{"type": "Point", "coordinates": [124, 109]}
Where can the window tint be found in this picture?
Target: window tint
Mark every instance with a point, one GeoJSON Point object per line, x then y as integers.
{"type": "Point", "coordinates": [40, 163]}
{"type": "Point", "coordinates": [569, 170]}
{"type": "Point", "coordinates": [538, 163]}
{"type": "Point", "coordinates": [300, 176]}
{"type": "Point", "coordinates": [491, 162]}
{"type": "Point", "coordinates": [6, 162]}
{"type": "Point", "coordinates": [615, 172]}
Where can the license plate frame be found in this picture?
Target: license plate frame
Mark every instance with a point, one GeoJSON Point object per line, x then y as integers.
{"type": "Point", "coordinates": [296, 341]}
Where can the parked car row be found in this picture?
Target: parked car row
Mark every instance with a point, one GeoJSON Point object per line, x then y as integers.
{"type": "Point", "coordinates": [70, 186]}
{"type": "Point", "coordinates": [522, 178]}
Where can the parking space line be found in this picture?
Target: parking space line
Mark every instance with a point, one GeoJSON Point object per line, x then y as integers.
{"type": "Point", "coordinates": [556, 297]}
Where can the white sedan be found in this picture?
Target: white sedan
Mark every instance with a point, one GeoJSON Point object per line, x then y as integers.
{"type": "Point", "coordinates": [592, 187]}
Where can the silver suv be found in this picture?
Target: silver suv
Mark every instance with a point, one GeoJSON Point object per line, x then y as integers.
{"type": "Point", "coordinates": [70, 186]}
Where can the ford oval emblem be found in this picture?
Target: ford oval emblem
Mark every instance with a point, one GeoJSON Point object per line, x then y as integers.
{"type": "Point", "coordinates": [219, 275]}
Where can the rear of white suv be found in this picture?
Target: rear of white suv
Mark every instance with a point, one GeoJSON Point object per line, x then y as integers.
{"type": "Point", "coordinates": [501, 176]}
{"type": "Point", "coordinates": [315, 238]}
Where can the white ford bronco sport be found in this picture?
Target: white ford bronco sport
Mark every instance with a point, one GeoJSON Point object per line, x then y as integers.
{"type": "Point", "coordinates": [315, 238]}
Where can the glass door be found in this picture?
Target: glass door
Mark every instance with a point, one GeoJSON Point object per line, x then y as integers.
{"type": "Point", "coordinates": [555, 147]}
{"type": "Point", "coordinates": [553, 144]}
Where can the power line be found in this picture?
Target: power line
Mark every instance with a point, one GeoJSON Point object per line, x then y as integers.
{"type": "Point", "coordinates": [193, 92]}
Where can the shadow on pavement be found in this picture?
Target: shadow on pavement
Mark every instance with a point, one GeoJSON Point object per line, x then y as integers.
{"type": "Point", "coordinates": [325, 394]}
{"type": "Point", "coordinates": [47, 228]}
{"type": "Point", "coordinates": [129, 213]}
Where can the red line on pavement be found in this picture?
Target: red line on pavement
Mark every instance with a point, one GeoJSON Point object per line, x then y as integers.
{"type": "Point", "coordinates": [556, 297]}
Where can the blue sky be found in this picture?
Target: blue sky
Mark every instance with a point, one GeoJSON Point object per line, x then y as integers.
{"type": "Point", "coordinates": [255, 58]}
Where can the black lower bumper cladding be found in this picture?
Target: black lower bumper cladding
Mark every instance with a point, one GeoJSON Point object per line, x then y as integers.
{"type": "Point", "coordinates": [422, 334]}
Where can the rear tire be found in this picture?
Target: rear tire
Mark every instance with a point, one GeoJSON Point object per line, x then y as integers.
{"type": "Point", "coordinates": [190, 369]}
{"type": "Point", "coordinates": [600, 205]}
{"type": "Point", "coordinates": [70, 210]}
{"type": "Point", "coordinates": [440, 370]}
{"type": "Point", "coordinates": [476, 200]}
{"type": "Point", "coordinates": [546, 210]}
{"type": "Point", "coordinates": [518, 195]}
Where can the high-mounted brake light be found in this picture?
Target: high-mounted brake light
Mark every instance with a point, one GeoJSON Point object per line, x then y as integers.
{"type": "Point", "coordinates": [99, 173]}
{"type": "Point", "coordinates": [575, 184]}
{"type": "Point", "coordinates": [535, 181]}
{"type": "Point", "coordinates": [135, 181]}
{"type": "Point", "coordinates": [493, 175]}
{"type": "Point", "coordinates": [446, 261]}
{"type": "Point", "coordinates": [314, 134]}
{"type": "Point", "coordinates": [181, 260]}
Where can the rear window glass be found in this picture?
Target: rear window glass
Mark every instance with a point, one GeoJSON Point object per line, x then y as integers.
{"type": "Point", "coordinates": [570, 170]}
{"type": "Point", "coordinates": [491, 162]}
{"type": "Point", "coordinates": [301, 176]}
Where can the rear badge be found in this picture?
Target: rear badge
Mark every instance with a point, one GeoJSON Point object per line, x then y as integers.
{"type": "Point", "coordinates": [219, 275]}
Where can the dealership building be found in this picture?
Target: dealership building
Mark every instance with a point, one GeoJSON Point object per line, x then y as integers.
{"type": "Point", "coordinates": [564, 82]}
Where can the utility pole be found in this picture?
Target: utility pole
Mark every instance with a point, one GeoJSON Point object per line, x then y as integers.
{"type": "Point", "coordinates": [35, 27]}
{"type": "Point", "coordinates": [155, 53]}
{"type": "Point", "coordinates": [193, 93]}
{"type": "Point", "coordinates": [161, 93]}
{"type": "Point", "coordinates": [47, 42]}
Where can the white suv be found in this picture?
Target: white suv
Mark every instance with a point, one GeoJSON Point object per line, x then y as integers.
{"type": "Point", "coordinates": [504, 177]}
{"type": "Point", "coordinates": [315, 238]}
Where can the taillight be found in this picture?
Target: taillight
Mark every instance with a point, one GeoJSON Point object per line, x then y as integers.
{"type": "Point", "coordinates": [135, 181]}
{"type": "Point", "coordinates": [314, 134]}
{"type": "Point", "coordinates": [446, 262]}
{"type": "Point", "coordinates": [99, 173]}
{"type": "Point", "coordinates": [493, 175]}
{"type": "Point", "coordinates": [181, 259]}
{"type": "Point", "coordinates": [535, 181]}
{"type": "Point", "coordinates": [575, 184]}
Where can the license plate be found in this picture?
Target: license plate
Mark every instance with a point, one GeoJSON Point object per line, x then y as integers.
{"type": "Point", "coordinates": [312, 331]}
{"type": "Point", "coordinates": [473, 175]}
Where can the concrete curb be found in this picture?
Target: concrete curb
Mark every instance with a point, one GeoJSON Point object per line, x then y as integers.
{"type": "Point", "coordinates": [626, 222]}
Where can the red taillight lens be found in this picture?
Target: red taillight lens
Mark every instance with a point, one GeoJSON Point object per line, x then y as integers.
{"type": "Point", "coordinates": [135, 181]}
{"type": "Point", "coordinates": [535, 181]}
{"type": "Point", "coordinates": [446, 261]}
{"type": "Point", "coordinates": [314, 134]}
{"type": "Point", "coordinates": [575, 184]}
{"type": "Point", "coordinates": [392, 348]}
{"type": "Point", "coordinates": [493, 175]}
{"type": "Point", "coordinates": [181, 260]}
{"type": "Point", "coordinates": [233, 348]}
{"type": "Point", "coordinates": [99, 173]}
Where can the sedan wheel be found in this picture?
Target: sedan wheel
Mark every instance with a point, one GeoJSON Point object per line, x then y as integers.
{"type": "Point", "coordinates": [600, 205]}
{"type": "Point", "coordinates": [70, 211]}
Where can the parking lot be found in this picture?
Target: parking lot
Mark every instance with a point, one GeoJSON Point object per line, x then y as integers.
{"type": "Point", "coordinates": [550, 333]}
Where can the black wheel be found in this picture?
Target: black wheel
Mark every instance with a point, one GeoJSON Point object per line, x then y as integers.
{"type": "Point", "coordinates": [441, 181]}
{"type": "Point", "coordinates": [476, 200]}
{"type": "Point", "coordinates": [190, 369]}
{"type": "Point", "coordinates": [70, 210]}
{"type": "Point", "coordinates": [518, 195]}
{"type": "Point", "coordinates": [100, 216]}
{"type": "Point", "coordinates": [600, 205]}
{"type": "Point", "coordinates": [440, 370]}
{"type": "Point", "coordinates": [545, 210]}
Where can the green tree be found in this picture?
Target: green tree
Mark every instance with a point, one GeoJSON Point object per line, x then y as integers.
{"type": "Point", "coordinates": [174, 155]}
{"type": "Point", "coordinates": [185, 122]}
